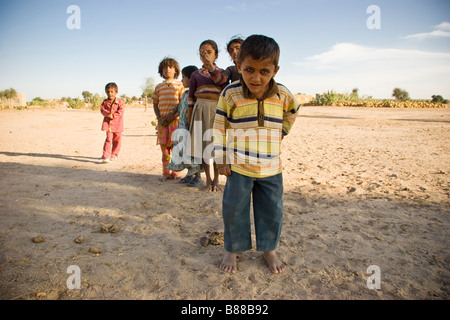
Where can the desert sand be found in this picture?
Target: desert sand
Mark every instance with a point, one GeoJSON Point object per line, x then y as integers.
{"type": "Point", "coordinates": [363, 187]}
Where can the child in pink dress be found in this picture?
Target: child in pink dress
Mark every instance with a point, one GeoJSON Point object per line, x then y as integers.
{"type": "Point", "coordinates": [112, 110]}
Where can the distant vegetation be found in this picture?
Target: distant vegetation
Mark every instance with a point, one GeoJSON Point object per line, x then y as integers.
{"type": "Point", "coordinates": [400, 94]}
{"type": "Point", "coordinates": [402, 100]}
{"type": "Point", "coordinates": [9, 95]}
{"type": "Point", "coordinates": [329, 98]}
{"type": "Point", "coordinates": [89, 100]}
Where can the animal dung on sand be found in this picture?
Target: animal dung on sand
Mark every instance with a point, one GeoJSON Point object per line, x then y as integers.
{"type": "Point", "coordinates": [215, 238]}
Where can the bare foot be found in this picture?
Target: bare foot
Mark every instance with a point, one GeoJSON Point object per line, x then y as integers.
{"type": "Point", "coordinates": [229, 262]}
{"type": "Point", "coordinates": [207, 187]}
{"type": "Point", "coordinates": [217, 188]}
{"type": "Point", "coordinates": [274, 264]}
{"type": "Point", "coordinates": [165, 178]}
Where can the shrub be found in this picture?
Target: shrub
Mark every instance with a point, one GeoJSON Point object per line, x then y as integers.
{"type": "Point", "coordinates": [438, 99]}
{"type": "Point", "coordinates": [97, 101]}
{"type": "Point", "coordinates": [38, 101]}
{"type": "Point", "coordinates": [76, 103]}
{"type": "Point", "coordinates": [400, 94]}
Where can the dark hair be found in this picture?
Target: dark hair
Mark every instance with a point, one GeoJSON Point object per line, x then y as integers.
{"type": "Point", "coordinates": [187, 71]}
{"type": "Point", "coordinates": [213, 45]}
{"type": "Point", "coordinates": [259, 47]}
{"type": "Point", "coordinates": [112, 85]}
{"type": "Point", "coordinates": [169, 62]}
{"type": "Point", "coordinates": [234, 39]}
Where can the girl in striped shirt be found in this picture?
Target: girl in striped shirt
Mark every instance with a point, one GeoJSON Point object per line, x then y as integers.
{"type": "Point", "coordinates": [167, 95]}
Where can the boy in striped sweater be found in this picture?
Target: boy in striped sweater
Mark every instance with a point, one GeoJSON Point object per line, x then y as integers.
{"type": "Point", "coordinates": [252, 117]}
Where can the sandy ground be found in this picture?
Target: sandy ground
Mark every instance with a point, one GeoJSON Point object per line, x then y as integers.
{"type": "Point", "coordinates": [362, 187]}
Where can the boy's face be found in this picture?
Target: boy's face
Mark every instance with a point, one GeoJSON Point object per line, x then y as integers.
{"type": "Point", "coordinates": [186, 81]}
{"type": "Point", "coordinates": [169, 72]}
{"type": "Point", "coordinates": [257, 74]}
{"type": "Point", "coordinates": [111, 93]}
{"type": "Point", "coordinates": [233, 51]}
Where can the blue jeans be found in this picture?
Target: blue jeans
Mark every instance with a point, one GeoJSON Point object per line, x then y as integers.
{"type": "Point", "coordinates": [267, 209]}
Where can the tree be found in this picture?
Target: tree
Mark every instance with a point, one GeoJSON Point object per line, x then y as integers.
{"type": "Point", "coordinates": [9, 94]}
{"type": "Point", "coordinates": [87, 96]}
{"type": "Point", "coordinates": [38, 101]}
{"type": "Point", "coordinates": [399, 94]}
{"type": "Point", "coordinates": [354, 95]}
{"type": "Point", "coordinates": [148, 90]}
{"type": "Point", "coordinates": [438, 99]}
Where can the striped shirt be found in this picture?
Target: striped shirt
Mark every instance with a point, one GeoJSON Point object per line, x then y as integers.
{"type": "Point", "coordinates": [167, 96]}
{"type": "Point", "coordinates": [205, 84]}
{"type": "Point", "coordinates": [248, 131]}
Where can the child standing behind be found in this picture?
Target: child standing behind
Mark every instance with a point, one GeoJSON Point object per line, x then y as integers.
{"type": "Point", "coordinates": [259, 113]}
{"type": "Point", "coordinates": [112, 110]}
{"type": "Point", "coordinates": [205, 87]}
{"type": "Point", "coordinates": [233, 46]}
{"type": "Point", "coordinates": [180, 160]}
{"type": "Point", "coordinates": [167, 95]}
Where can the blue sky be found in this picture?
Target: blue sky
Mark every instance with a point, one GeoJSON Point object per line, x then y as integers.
{"type": "Point", "coordinates": [325, 44]}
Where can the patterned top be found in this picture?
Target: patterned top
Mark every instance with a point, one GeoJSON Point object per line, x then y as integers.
{"type": "Point", "coordinates": [206, 84]}
{"type": "Point", "coordinates": [248, 131]}
{"type": "Point", "coordinates": [180, 160]}
{"type": "Point", "coordinates": [182, 110]}
{"type": "Point", "coordinates": [167, 96]}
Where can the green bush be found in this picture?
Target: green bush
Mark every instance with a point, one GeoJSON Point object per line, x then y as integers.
{"type": "Point", "coordinates": [76, 103]}
{"type": "Point", "coordinates": [399, 94]}
{"type": "Point", "coordinates": [438, 99]}
{"type": "Point", "coordinates": [97, 101]}
{"type": "Point", "coordinates": [38, 101]}
{"type": "Point", "coordinates": [332, 98]}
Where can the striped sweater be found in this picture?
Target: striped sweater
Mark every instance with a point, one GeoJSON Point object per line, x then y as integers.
{"type": "Point", "coordinates": [206, 84]}
{"type": "Point", "coordinates": [167, 96]}
{"type": "Point", "coordinates": [248, 131]}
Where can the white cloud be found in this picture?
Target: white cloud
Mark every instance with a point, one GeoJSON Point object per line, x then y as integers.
{"type": "Point", "coordinates": [375, 71]}
{"type": "Point", "coordinates": [441, 31]}
{"type": "Point", "coordinates": [240, 7]}
{"type": "Point", "coordinates": [435, 33]}
{"type": "Point", "coordinates": [443, 26]}
{"type": "Point", "coordinates": [348, 55]}
{"type": "Point", "coordinates": [254, 5]}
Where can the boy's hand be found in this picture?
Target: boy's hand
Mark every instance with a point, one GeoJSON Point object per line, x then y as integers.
{"type": "Point", "coordinates": [110, 115]}
{"type": "Point", "coordinates": [225, 170]}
